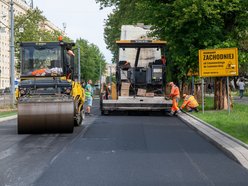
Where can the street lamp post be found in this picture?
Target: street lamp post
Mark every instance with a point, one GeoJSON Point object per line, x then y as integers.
{"type": "Point", "coordinates": [0, 77]}
{"type": "Point", "coordinates": [64, 27]}
{"type": "Point", "coordinates": [32, 4]}
{"type": "Point", "coordinates": [110, 74]}
{"type": "Point", "coordinates": [79, 69]}
{"type": "Point", "coordinates": [12, 49]}
{"type": "Point", "coordinates": [100, 77]}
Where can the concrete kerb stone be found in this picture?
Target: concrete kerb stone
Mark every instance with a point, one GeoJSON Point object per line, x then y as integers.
{"type": "Point", "coordinates": [219, 131]}
{"type": "Point", "coordinates": [8, 118]}
{"type": "Point", "coordinates": [233, 147]}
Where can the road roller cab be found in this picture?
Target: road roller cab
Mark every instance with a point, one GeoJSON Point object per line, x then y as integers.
{"type": "Point", "coordinates": [49, 98]}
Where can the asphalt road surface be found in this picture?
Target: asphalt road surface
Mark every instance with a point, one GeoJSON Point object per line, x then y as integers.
{"type": "Point", "coordinates": [116, 150]}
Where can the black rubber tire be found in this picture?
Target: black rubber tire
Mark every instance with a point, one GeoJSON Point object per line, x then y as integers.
{"type": "Point", "coordinates": [79, 118]}
{"type": "Point", "coordinates": [105, 112]}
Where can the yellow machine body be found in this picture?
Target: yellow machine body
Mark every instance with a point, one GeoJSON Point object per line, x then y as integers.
{"type": "Point", "coordinates": [49, 99]}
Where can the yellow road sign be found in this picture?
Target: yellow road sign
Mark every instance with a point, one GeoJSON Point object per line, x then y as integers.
{"type": "Point", "coordinates": [192, 73]}
{"type": "Point", "coordinates": [218, 62]}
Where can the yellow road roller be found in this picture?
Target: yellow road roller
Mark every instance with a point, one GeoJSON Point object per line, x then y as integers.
{"type": "Point", "coordinates": [49, 97]}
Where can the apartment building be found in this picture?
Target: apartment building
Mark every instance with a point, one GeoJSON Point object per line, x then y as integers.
{"type": "Point", "coordinates": [20, 7]}
{"type": "Point", "coordinates": [110, 71]}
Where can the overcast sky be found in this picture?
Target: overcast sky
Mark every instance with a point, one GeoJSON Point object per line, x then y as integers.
{"type": "Point", "coordinates": [82, 17]}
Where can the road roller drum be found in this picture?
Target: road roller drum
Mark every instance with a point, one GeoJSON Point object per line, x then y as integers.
{"type": "Point", "coordinates": [46, 115]}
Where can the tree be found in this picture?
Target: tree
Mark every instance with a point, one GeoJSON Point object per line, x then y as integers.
{"type": "Point", "coordinates": [32, 23]}
{"type": "Point", "coordinates": [187, 26]}
{"type": "Point", "coordinates": [91, 60]}
{"type": "Point", "coordinates": [125, 13]}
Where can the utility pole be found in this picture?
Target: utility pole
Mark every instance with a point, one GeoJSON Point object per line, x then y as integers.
{"type": "Point", "coordinates": [0, 76]}
{"type": "Point", "coordinates": [110, 74]}
{"type": "Point", "coordinates": [32, 4]}
{"type": "Point", "coordinates": [12, 57]}
{"type": "Point", "coordinates": [79, 70]}
{"type": "Point", "coordinates": [64, 27]}
{"type": "Point", "coordinates": [100, 77]}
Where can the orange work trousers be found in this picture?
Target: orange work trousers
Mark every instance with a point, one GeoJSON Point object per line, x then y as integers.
{"type": "Point", "coordinates": [174, 107]}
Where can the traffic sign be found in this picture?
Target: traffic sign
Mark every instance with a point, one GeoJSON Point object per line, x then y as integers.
{"type": "Point", "coordinates": [218, 62]}
{"type": "Point", "coordinates": [192, 73]}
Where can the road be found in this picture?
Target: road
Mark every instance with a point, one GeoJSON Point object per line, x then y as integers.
{"type": "Point", "coordinates": [23, 158]}
{"type": "Point", "coordinates": [117, 150]}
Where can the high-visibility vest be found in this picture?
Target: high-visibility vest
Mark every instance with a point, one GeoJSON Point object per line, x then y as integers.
{"type": "Point", "coordinates": [88, 90]}
{"type": "Point", "coordinates": [175, 92]}
{"type": "Point", "coordinates": [190, 101]}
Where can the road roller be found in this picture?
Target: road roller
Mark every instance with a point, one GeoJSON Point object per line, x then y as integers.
{"type": "Point", "coordinates": [49, 97]}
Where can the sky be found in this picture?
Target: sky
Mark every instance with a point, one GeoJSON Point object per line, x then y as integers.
{"type": "Point", "coordinates": [83, 19]}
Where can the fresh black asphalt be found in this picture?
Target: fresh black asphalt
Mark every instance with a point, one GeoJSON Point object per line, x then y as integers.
{"type": "Point", "coordinates": [124, 150]}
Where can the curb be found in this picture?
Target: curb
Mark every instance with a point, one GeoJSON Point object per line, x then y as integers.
{"type": "Point", "coordinates": [233, 147]}
{"type": "Point", "coordinates": [8, 118]}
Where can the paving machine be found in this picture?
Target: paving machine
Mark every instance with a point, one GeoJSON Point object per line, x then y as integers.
{"type": "Point", "coordinates": [141, 78]}
{"type": "Point", "coordinates": [50, 99]}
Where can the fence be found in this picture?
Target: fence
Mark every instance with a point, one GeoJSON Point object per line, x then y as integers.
{"type": "Point", "coordinates": [5, 101]}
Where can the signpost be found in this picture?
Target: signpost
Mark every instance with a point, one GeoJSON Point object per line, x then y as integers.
{"type": "Point", "coordinates": [192, 74]}
{"type": "Point", "coordinates": [218, 62]}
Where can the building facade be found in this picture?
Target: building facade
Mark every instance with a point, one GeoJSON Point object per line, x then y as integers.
{"type": "Point", "coordinates": [110, 71]}
{"type": "Point", "coordinates": [20, 7]}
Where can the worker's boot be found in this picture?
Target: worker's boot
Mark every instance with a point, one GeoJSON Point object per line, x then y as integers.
{"type": "Point", "coordinates": [171, 113]}
{"type": "Point", "coordinates": [178, 111]}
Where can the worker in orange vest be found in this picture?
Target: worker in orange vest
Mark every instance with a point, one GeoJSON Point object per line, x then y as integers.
{"type": "Point", "coordinates": [175, 96]}
{"type": "Point", "coordinates": [190, 103]}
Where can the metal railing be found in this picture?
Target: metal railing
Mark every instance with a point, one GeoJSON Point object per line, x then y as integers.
{"type": "Point", "coordinates": [6, 101]}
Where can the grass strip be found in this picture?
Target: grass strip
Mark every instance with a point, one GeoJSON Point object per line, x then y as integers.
{"type": "Point", "coordinates": [7, 113]}
{"type": "Point", "coordinates": [235, 124]}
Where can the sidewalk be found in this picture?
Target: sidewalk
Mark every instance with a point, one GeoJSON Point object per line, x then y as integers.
{"type": "Point", "coordinates": [243, 100]}
{"type": "Point", "coordinates": [236, 98]}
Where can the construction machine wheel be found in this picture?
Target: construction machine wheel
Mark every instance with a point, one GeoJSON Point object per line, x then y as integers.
{"type": "Point", "coordinates": [104, 112]}
{"type": "Point", "coordinates": [41, 115]}
{"type": "Point", "coordinates": [79, 113]}
{"type": "Point", "coordinates": [79, 118]}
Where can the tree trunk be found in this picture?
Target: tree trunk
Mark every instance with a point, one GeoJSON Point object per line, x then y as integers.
{"type": "Point", "coordinates": [220, 94]}
{"type": "Point", "coordinates": [198, 92]}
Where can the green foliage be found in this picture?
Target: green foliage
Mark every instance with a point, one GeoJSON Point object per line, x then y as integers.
{"type": "Point", "coordinates": [126, 12]}
{"type": "Point", "coordinates": [187, 26]}
{"type": "Point", "coordinates": [234, 124]}
{"type": "Point", "coordinates": [7, 113]}
{"type": "Point", "coordinates": [30, 22]}
{"type": "Point", "coordinates": [91, 60]}
{"type": "Point", "coordinates": [33, 22]}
